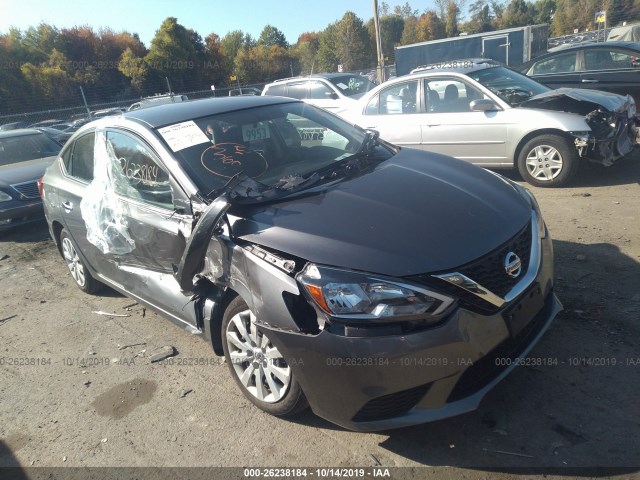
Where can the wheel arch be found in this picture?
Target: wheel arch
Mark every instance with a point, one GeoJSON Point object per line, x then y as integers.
{"type": "Point", "coordinates": [536, 133]}
{"type": "Point", "coordinates": [214, 312]}
{"type": "Point", "coordinates": [57, 228]}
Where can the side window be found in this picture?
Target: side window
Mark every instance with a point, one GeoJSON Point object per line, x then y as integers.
{"type": "Point", "coordinates": [78, 158]}
{"type": "Point", "coordinates": [372, 106]}
{"type": "Point", "coordinates": [600, 59]}
{"type": "Point", "coordinates": [138, 175]}
{"type": "Point", "coordinates": [297, 90]}
{"type": "Point", "coordinates": [559, 64]}
{"type": "Point", "coordinates": [397, 99]}
{"type": "Point", "coordinates": [449, 95]}
{"type": "Point", "coordinates": [319, 91]}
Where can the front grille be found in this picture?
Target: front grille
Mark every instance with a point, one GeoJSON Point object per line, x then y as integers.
{"type": "Point", "coordinates": [489, 272]}
{"type": "Point", "coordinates": [392, 405]}
{"type": "Point", "coordinates": [500, 358]}
{"type": "Point", "coordinates": [27, 189]}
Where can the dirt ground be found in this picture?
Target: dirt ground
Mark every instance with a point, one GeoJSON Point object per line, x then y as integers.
{"type": "Point", "coordinates": [78, 388]}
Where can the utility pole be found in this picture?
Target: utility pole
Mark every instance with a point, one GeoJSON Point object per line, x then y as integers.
{"type": "Point", "coordinates": [376, 23]}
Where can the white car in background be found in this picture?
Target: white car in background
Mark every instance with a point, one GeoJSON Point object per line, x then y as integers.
{"type": "Point", "coordinates": [331, 91]}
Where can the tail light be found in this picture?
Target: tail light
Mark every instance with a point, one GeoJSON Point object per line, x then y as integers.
{"type": "Point", "coordinates": [41, 188]}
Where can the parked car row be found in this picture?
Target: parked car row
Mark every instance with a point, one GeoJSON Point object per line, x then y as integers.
{"type": "Point", "coordinates": [300, 242]}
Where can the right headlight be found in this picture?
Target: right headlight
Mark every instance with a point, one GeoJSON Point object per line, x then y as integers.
{"type": "Point", "coordinates": [353, 296]}
{"type": "Point", "coordinates": [5, 197]}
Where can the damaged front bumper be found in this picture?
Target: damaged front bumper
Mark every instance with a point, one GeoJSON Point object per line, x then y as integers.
{"type": "Point", "coordinates": [612, 137]}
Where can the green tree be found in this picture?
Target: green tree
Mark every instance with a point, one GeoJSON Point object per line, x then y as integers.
{"type": "Point", "coordinates": [516, 14]}
{"type": "Point", "coordinates": [134, 68]}
{"type": "Point", "coordinates": [345, 42]}
{"type": "Point", "coordinates": [173, 54]}
{"type": "Point", "coordinates": [481, 19]}
{"type": "Point", "coordinates": [272, 36]}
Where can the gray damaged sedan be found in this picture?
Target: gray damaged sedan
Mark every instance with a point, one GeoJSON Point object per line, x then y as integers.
{"type": "Point", "coordinates": [380, 286]}
{"type": "Point", "coordinates": [482, 112]}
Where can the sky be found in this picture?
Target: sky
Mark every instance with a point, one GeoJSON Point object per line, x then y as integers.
{"type": "Point", "coordinates": [292, 17]}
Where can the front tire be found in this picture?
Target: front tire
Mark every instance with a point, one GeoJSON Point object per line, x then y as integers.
{"type": "Point", "coordinates": [548, 161]}
{"type": "Point", "coordinates": [77, 268]}
{"type": "Point", "coordinates": [258, 367]}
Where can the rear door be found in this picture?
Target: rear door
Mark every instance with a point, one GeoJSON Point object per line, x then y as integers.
{"type": "Point", "coordinates": [78, 170]}
{"type": "Point", "coordinates": [560, 70]}
{"type": "Point", "coordinates": [395, 113]}
{"type": "Point", "coordinates": [614, 70]}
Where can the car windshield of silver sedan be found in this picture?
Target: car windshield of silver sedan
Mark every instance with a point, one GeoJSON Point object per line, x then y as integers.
{"type": "Point", "coordinates": [512, 87]}
{"type": "Point", "coordinates": [276, 146]}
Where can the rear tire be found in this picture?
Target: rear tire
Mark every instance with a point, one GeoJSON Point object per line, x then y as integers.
{"type": "Point", "coordinates": [256, 366]}
{"type": "Point", "coordinates": [548, 161]}
{"type": "Point", "coordinates": [77, 268]}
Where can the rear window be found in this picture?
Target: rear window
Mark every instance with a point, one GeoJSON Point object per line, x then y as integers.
{"type": "Point", "coordinates": [21, 148]}
{"type": "Point", "coordinates": [277, 90]}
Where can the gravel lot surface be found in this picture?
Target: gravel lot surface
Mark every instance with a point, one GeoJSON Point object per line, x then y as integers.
{"type": "Point", "coordinates": [78, 388]}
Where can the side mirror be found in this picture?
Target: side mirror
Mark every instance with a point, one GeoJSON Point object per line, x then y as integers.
{"type": "Point", "coordinates": [482, 105]}
{"type": "Point", "coordinates": [332, 95]}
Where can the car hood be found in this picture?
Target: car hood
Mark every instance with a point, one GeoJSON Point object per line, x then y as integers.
{"type": "Point", "coordinates": [414, 213]}
{"type": "Point", "coordinates": [578, 100]}
{"type": "Point", "coordinates": [26, 171]}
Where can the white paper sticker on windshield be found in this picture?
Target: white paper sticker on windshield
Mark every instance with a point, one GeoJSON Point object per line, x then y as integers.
{"type": "Point", "coordinates": [183, 135]}
{"type": "Point", "coordinates": [342, 86]}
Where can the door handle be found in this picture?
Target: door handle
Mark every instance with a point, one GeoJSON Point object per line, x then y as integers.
{"type": "Point", "coordinates": [433, 125]}
{"type": "Point", "coordinates": [68, 206]}
{"type": "Point", "coordinates": [589, 80]}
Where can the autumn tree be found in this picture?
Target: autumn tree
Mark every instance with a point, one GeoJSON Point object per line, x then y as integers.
{"type": "Point", "coordinates": [305, 52]}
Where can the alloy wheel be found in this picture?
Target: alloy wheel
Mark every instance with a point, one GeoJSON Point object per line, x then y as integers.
{"type": "Point", "coordinates": [73, 262]}
{"type": "Point", "coordinates": [259, 365]}
{"type": "Point", "coordinates": [544, 162]}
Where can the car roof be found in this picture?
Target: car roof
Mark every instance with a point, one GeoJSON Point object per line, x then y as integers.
{"type": "Point", "coordinates": [170, 113]}
{"type": "Point", "coordinates": [19, 132]}
{"type": "Point", "coordinates": [463, 66]}
{"type": "Point", "coordinates": [326, 76]}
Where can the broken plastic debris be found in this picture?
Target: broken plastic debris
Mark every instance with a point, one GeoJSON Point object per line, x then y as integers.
{"type": "Point", "coordinates": [100, 312]}
{"type": "Point", "coordinates": [162, 353]}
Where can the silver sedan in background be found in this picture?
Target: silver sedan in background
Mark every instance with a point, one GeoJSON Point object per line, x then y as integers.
{"type": "Point", "coordinates": [480, 111]}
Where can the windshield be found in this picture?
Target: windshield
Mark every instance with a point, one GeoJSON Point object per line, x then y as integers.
{"type": "Point", "coordinates": [20, 148]}
{"type": "Point", "coordinates": [272, 145]}
{"type": "Point", "coordinates": [354, 86]}
{"type": "Point", "coordinates": [512, 87]}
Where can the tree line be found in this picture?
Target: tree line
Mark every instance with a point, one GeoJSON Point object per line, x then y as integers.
{"type": "Point", "coordinates": [44, 67]}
